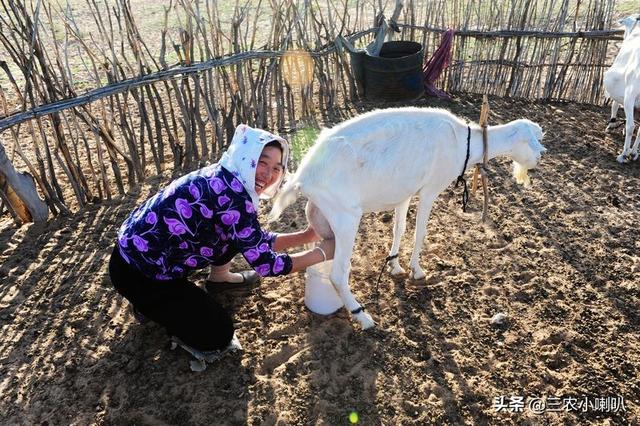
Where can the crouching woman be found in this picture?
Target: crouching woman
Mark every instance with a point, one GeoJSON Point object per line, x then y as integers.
{"type": "Point", "coordinates": [204, 219]}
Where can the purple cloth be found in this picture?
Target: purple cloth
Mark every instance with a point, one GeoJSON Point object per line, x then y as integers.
{"type": "Point", "coordinates": [436, 64]}
{"type": "Point", "coordinates": [198, 219]}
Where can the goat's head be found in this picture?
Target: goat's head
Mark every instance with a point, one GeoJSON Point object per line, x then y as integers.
{"type": "Point", "coordinates": [630, 23]}
{"type": "Point", "coordinates": [527, 149]}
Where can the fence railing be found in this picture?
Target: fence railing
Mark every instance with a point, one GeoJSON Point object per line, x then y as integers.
{"type": "Point", "coordinates": [134, 115]}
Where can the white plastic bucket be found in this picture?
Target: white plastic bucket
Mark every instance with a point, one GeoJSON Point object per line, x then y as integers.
{"type": "Point", "coordinates": [319, 294]}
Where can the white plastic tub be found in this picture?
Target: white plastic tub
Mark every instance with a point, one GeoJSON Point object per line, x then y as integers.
{"type": "Point", "coordinates": [319, 294]}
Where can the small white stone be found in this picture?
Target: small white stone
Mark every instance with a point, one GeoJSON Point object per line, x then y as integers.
{"type": "Point", "coordinates": [235, 344]}
{"type": "Point", "coordinates": [499, 319]}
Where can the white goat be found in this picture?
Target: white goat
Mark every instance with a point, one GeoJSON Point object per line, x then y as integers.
{"type": "Point", "coordinates": [378, 160]}
{"type": "Point", "coordinates": [622, 83]}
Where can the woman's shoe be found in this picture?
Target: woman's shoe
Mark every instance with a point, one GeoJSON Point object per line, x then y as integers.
{"type": "Point", "coordinates": [249, 281]}
{"type": "Point", "coordinates": [204, 357]}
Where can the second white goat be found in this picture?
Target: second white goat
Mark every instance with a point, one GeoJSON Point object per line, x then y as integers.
{"type": "Point", "coordinates": [622, 83]}
{"type": "Point", "coordinates": [377, 161]}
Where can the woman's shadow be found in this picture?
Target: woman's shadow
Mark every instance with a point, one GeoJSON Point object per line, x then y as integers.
{"type": "Point", "coordinates": [147, 381]}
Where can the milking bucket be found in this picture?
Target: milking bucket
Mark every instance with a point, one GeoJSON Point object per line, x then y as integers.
{"type": "Point", "coordinates": [395, 75]}
{"type": "Point", "coordinates": [319, 294]}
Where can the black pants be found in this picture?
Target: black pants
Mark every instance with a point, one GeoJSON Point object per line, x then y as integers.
{"type": "Point", "coordinates": [186, 310]}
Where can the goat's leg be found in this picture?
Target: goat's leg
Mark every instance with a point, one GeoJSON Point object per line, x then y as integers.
{"type": "Point", "coordinates": [345, 226]}
{"type": "Point", "coordinates": [422, 217]}
{"type": "Point", "coordinates": [613, 121]}
{"type": "Point", "coordinates": [399, 226]}
{"type": "Point", "coordinates": [630, 95]}
{"type": "Point", "coordinates": [634, 150]}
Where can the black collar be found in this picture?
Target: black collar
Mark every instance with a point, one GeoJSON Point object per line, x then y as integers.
{"type": "Point", "coordinates": [465, 192]}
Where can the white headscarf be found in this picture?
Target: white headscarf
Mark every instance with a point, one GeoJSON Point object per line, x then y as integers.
{"type": "Point", "coordinates": [241, 159]}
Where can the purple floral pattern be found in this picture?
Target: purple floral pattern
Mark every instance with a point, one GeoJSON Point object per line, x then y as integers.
{"type": "Point", "coordinates": [194, 191]}
{"type": "Point", "coordinates": [237, 186]}
{"type": "Point", "coordinates": [206, 211]}
{"type": "Point", "coordinates": [246, 232]}
{"type": "Point", "coordinates": [151, 218]}
{"type": "Point", "coordinates": [217, 185]}
{"type": "Point", "coordinates": [263, 269]}
{"type": "Point", "coordinates": [278, 266]}
{"type": "Point", "coordinates": [230, 217]}
{"type": "Point", "coordinates": [140, 243]}
{"type": "Point", "coordinates": [192, 223]}
{"type": "Point", "coordinates": [251, 255]}
{"type": "Point", "coordinates": [183, 208]}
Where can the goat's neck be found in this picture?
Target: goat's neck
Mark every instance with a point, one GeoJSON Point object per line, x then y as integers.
{"type": "Point", "coordinates": [499, 141]}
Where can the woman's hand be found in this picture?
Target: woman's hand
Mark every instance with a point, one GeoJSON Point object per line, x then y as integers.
{"type": "Point", "coordinates": [307, 258]}
{"type": "Point", "coordinates": [310, 235]}
{"type": "Point", "coordinates": [295, 239]}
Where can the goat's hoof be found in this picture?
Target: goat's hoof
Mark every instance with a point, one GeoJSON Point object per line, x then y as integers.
{"type": "Point", "coordinates": [419, 275]}
{"type": "Point", "coordinates": [622, 158]}
{"type": "Point", "coordinates": [365, 320]}
{"type": "Point", "coordinates": [397, 270]}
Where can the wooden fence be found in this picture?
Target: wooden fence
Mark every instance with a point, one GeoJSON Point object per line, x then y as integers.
{"type": "Point", "coordinates": [92, 107]}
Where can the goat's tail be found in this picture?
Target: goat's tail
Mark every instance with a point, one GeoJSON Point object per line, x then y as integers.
{"type": "Point", "coordinates": [285, 198]}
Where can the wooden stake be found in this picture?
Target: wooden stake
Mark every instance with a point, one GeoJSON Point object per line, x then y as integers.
{"type": "Point", "coordinates": [480, 173]}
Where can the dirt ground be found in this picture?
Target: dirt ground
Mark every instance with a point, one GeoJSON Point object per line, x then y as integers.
{"type": "Point", "coordinates": [561, 259]}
